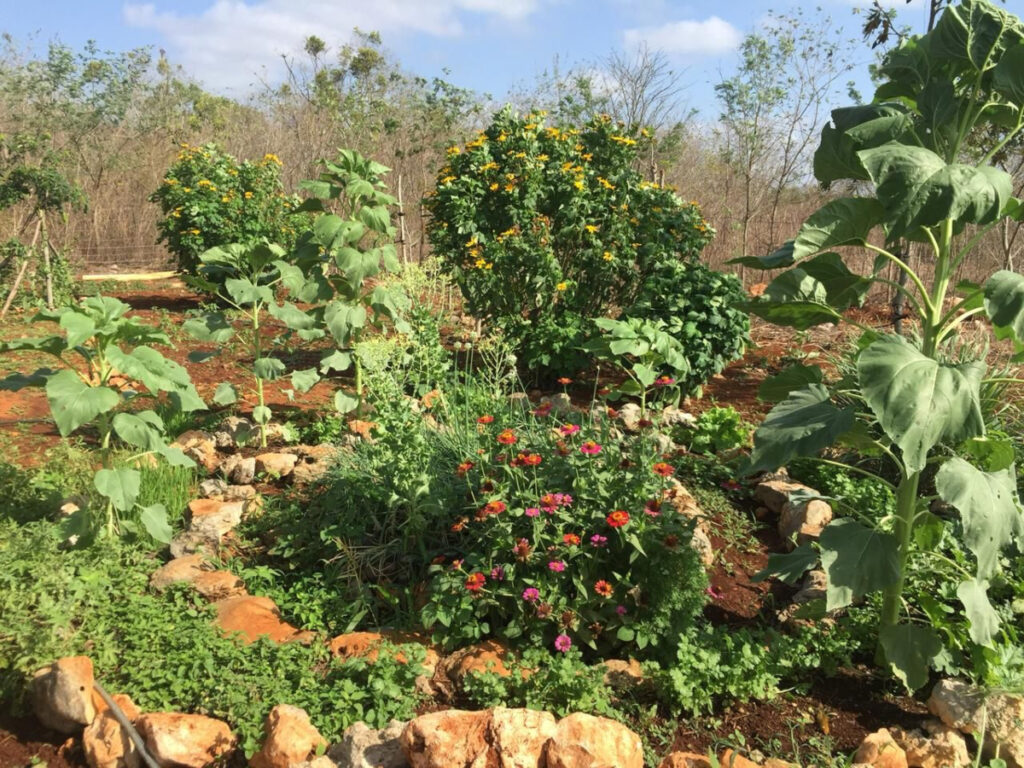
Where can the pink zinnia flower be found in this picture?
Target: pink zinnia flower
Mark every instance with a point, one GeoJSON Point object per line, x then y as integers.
{"type": "Point", "coordinates": [563, 643]}
{"type": "Point", "coordinates": [590, 448]}
{"type": "Point", "coordinates": [620, 609]}
{"type": "Point", "coordinates": [531, 594]}
{"type": "Point", "coordinates": [598, 540]}
{"type": "Point", "coordinates": [569, 429]}
{"type": "Point", "coordinates": [557, 566]}
{"type": "Point", "coordinates": [498, 573]}
{"type": "Point", "coordinates": [664, 381]}
{"type": "Point", "coordinates": [532, 512]}
{"type": "Point", "coordinates": [652, 508]}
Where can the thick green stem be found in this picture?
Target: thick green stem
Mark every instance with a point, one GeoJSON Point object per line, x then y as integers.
{"type": "Point", "coordinates": [906, 508]}
{"type": "Point", "coordinates": [257, 348]}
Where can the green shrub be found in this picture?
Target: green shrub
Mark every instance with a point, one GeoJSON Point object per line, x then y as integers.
{"type": "Point", "coordinates": [208, 198]}
{"type": "Point", "coordinates": [546, 228]}
{"type": "Point", "coordinates": [697, 305]}
{"type": "Point", "coordinates": [719, 430]}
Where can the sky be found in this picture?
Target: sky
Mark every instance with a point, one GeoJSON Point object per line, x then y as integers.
{"type": "Point", "coordinates": [490, 46]}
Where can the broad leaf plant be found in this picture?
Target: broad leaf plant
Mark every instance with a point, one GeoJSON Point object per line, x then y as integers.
{"type": "Point", "coordinates": [922, 155]}
{"type": "Point", "coordinates": [105, 368]}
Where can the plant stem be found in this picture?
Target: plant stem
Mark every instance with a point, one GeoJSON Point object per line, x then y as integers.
{"type": "Point", "coordinates": [257, 347]}
{"type": "Point", "coordinates": [906, 505]}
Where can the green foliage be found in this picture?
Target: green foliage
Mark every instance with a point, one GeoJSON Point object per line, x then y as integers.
{"type": "Point", "coordinates": [698, 307]}
{"type": "Point", "coordinates": [547, 228]}
{"type": "Point", "coordinates": [642, 349]}
{"type": "Point", "coordinates": [948, 102]}
{"type": "Point", "coordinates": [565, 535]}
{"type": "Point", "coordinates": [165, 652]}
{"type": "Point", "coordinates": [719, 430]}
{"type": "Point", "coordinates": [208, 199]}
{"type": "Point", "coordinates": [115, 368]}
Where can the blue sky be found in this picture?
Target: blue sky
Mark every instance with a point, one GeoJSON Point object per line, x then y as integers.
{"type": "Point", "coordinates": [488, 45]}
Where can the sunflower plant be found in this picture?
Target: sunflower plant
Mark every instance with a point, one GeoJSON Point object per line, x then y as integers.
{"type": "Point", "coordinates": [949, 102]}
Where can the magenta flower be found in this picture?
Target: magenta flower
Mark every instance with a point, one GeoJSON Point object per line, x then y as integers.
{"type": "Point", "coordinates": [569, 429]}
{"type": "Point", "coordinates": [531, 594]}
{"type": "Point", "coordinates": [557, 566]}
{"type": "Point", "coordinates": [563, 643]}
{"type": "Point", "coordinates": [497, 573]}
{"type": "Point", "coordinates": [590, 448]}
{"type": "Point", "coordinates": [598, 540]}
{"type": "Point", "coordinates": [620, 609]}
{"type": "Point", "coordinates": [532, 512]}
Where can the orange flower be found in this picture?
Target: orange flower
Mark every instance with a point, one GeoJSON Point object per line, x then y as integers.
{"type": "Point", "coordinates": [464, 467]}
{"type": "Point", "coordinates": [494, 507]}
{"type": "Point", "coordinates": [507, 437]}
{"type": "Point", "coordinates": [603, 588]}
{"type": "Point", "coordinates": [571, 539]}
{"type": "Point", "coordinates": [522, 550]}
{"type": "Point", "coordinates": [618, 518]}
{"type": "Point", "coordinates": [485, 419]}
{"type": "Point", "coordinates": [663, 469]}
{"type": "Point", "coordinates": [459, 524]}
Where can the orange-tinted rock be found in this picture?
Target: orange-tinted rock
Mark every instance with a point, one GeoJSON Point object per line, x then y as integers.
{"type": "Point", "coordinates": [732, 759]}
{"type": "Point", "coordinates": [62, 694]}
{"type": "Point", "coordinates": [940, 747]}
{"type": "Point", "coordinates": [488, 656]}
{"type": "Point", "coordinates": [213, 517]}
{"type": "Point", "coordinates": [186, 741]}
{"type": "Point", "coordinates": [519, 736]}
{"type": "Point", "coordinates": [804, 520]}
{"type": "Point", "coordinates": [448, 739]}
{"type": "Point", "coordinates": [200, 446]}
{"type": "Point", "coordinates": [685, 760]}
{"type": "Point", "coordinates": [255, 617]}
{"type": "Point", "coordinates": [881, 750]}
{"type": "Point", "coordinates": [775, 493]}
{"type": "Point", "coordinates": [276, 464]}
{"type": "Point", "coordinates": [104, 741]}
{"type": "Point", "coordinates": [290, 739]}
{"type": "Point", "coordinates": [585, 741]}
{"type": "Point", "coordinates": [366, 645]}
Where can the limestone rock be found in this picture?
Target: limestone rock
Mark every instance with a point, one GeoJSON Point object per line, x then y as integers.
{"type": "Point", "coordinates": [364, 747]}
{"type": "Point", "coordinates": [623, 675]}
{"type": "Point", "coordinates": [448, 739]}
{"type": "Point", "coordinates": [805, 520]}
{"type": "Point", "coordinates": [701, 544]}
{"type": "Point", "coordinates": [323, 761]}
{"type": "Point", "coordinates": [214, 518]}
{"type": "Point", "coordinates": [314, 462]}
{"type": "Point", "coordinates": [255, 617]}
{"type": "Point", "coordinates": [732, 759]}
{"type": "Point", "coordinates": [290, 739]}
{"type": "Point", "coordinates": [939, 746]}
{"type": "Point", "coordinates": [519, 737]}
{"type": "Point", "coordinates": [488, 656]}
{"type": "Point", "coordinates": [775, 492]}
{"type": "Point", "coordinates": [880, 750]}
{"type": "Point", "coordinates": [185, 741]}
{"type": "Point", "coordinates": [199, 446]}
{"type": "Point", "coordinates": [276, 464]}
{"type": "Point", "coordinates": [62, 695]}
{"type": "Point", "coordinates": [561, 403]}
{"type": "Point", "coordinates": [957, 704]}
{"type": "Point", "coordinates": [815, 587]}
{"type": "Point", "coordinates": [187, 569]}
{"type": "Point", "coordinates": [585, 741]}
{"type": "Point", "coordinates": [630, 415]}
{"type": "Point", "coordinates": [234, 432]}
{"type": "Point", "coordinates": [239, 470]}
{"type": "Point", "coordinates": [213, 488]}
{"type": "Point", "coordinates": [366, 645]}
{"type": "Point", "coordinates": [200, 542]}
{"type": "Point", "coordinates": [218, 585]}
{"type": "Point", "coordinates": [105, 742]}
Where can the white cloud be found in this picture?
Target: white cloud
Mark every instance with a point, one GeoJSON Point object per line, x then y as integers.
{"type": "Point", "coordinates": [225, 45]}
{"type": "Point", "coordinates": [711, 36]}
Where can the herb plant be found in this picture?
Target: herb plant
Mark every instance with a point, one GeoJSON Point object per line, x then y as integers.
{"type": "Point", "coordinates": [948, 103]}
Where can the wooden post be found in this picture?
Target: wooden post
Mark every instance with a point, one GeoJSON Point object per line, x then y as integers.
{"type": "Point", "coordinates": [21, 273]}
{"type": "Point", "coordinates": [46, 260]}
{"type": "Point", "coordinates": [403, 239]}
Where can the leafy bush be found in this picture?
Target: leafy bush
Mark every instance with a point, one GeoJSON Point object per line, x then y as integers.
{"type": "Point", "coordinates": [208, 198]}
{"type": "Point", "coordinates": [547, 228]}
{"type": "Point", "coordinates": [698, 307]}
{"type": "Point", "coordinates": [719, 430]}
{"type": "Point", "coordinates": [566, 539]}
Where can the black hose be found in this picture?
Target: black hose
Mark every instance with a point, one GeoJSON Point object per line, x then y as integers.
{"type": "Point", "coordinates": [125, 723]}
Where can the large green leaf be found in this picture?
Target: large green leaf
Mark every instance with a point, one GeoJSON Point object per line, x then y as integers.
{"type": "Point", "coordinates": [918, 401]}
{"type": "Point", "coordinates": [343, 320]}
{"type": "Point", "coordinates": [121, 486]}
{"type": "Point", "coordinates": [291, 316]}
{"type": "Point", "coordinates": [919, 189]}
{"type": "Point", "coordinates": [305, 380]}
{"type": "Point", "coordinates": [1004, 304]}
{"type": "Point", "coordinates": [789, 568]}
{"type": "Point", "coordinates": [143, 429]}
{"type": "Point", "coordinates": [244, 292]}
{"type": "Point", "coordinates": [74, 403]}
{"type": "Point", "coordinates": [268, 368]}
{"type": "Point", "coordinates": [846, 221]}
{"type": "Point", "coordinates": [777, 388]}
{"type": "Point", "coordinates": [843, 288]}
{"type": "Point", "coordinates": [78, 327]}
{"type": "Point", "coordinates": [974, 33]}
{"type": "Point", "coordinates": [795, 299]}
{"type": "Point", "coordinates": [226, 394]}
{"type": "Point", "coordinates": [781, 257]}
{"type": "Point", "coordinates": [853, 129]}
{"type": "Point", "coordinates": [910, 650]}
{"type": "Point", "coordinates": [146, 364]}
{"type": "Point", "coordinates": [803, 424]}
{"type": "Point", "coordinates": [988, 506]}
{"type": "Point", "coordinates": [212, 327]}
{"type": "Point", "coordinates": [858, 560]}
{"type": "Point", "coordinates": [154, 520]}
{"type": "Point", "coordinates": [1009, 75]}
{"type": "Point", "coordinates": [983, 617]}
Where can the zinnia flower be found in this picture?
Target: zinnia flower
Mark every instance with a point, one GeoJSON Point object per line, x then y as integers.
{"type": "Point", "coordinates": [485, 419]}
{"type": "Point", "coordinates": [603, 588]}
{"type": "Point", "coordinates": [494, 507]}
{"type": "Point", "coordinates": [590, 448]}
{"type": "Point", "coordinates": [564, 381]}
{"type": "Point", "coordinates": [571, 539]}
{"type": "Point", "coordinates": [598, 540]}
{"type": "Point", "coordinates": [556, 565]}
{"type": "Point", "coordinates": [652, 508]}
{"type": "Point", "coordinates": [563, 643]}
{"type": "Point", "coordinates": [569, 429]}
{"type": "Point", "coordinates": [531, 594]}
{"type": "Point", "coordinates": [663, 469]}
{"type": "Point", "coordinates": [542, 410]}
{"type": "Point", "coordinates": [464, 467]}
{"type": "Point", "coordinates": [618, 518]}
{"type": "Point", "coordinates": [620, 609]}
{"type": "Point", "coordinates": [664, 381]}
{"type": "Point", "coordinates": [530, 459]}
{"type": "Point", "coordinates": [507, 437]}
{"type": "Point", "coordinates": [475, 582]}
{"type": "Point", "coordinates": [498, 573]}
{"type": "Point", "coordinates": [532, 512]}
{"type": "Point", "coordinates": [522, 550]}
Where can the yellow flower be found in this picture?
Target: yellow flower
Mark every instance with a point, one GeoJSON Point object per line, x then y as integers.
{"type": "Point", "coordinates": [453, 151]}
{"type": "Point", "coordinates": [588, 157]}
{"type": "Point", "coordinates": [509, 187]}
{"type": "Point", "coordinates": [447, 179]}
{"type": "Point", "coordinates": [608, 256]}
{"type": "Point", "coordinates": [186, 189]}
{"type": "Point", "coordinates": [226, 199]}
{"type": "Point", "coordinates": [520, 155]}
{"type": "Point", "coordinates": [530, 127]}
{"type": "Point", "coordinates": [624, 140]}
{"type": "Point", "coordinates": [472, 241]}
{"type": "Point", "coordinates": [605, 183]}
{"type": "Point", "coordinates": [567, 166]}
{"type": "Point", "coordinates": [489, 166]}
{"type": "Point", "coordinates": [494, 187]}
{"type": "Point", "coordinates": [592, 228]}
{"type": "Point", "coordinates": [248, 195]}
{"type": "Point", "coordinates": [502, 136]}
{"type": "Point", "coordinates": [270, 158]}
{"type": "Point", "coordinates": [193, 231]}
{"type": "Point", "coordinates": [543, 158]}
{"type": "Point", "coordinates": [561, 286]}
{"type": "Point", "coordinates": [170, 182]}
{"type": "Point", "coordinates": [578, 183]}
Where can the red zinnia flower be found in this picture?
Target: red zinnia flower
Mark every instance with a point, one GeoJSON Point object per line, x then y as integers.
{"type": "Point", "coordinates": [571, 539]}
{"type": "Point", "coordinates": [494, 507]}
{"type": "Point", "coordinates": [603, 588]}
{"type": "Point", "coordinates": [464, 467]}
{"type": "Point", "coordinates": [542, 410]}
{"type": "Point", "coordinates": [564, 381]}
{"type": "Point", "coordinates": [664, 381]}
{"type": "Point", "coordinates": [475, 582]}
{"type": "Point", "coordinates": [663, 469]}
{"type": "Point", "coordinates": [522, 550]}
{"type": "Point", "coordinates": [485, 419]}
{"type": "Point", "coordinates": [590, 448]}
{"type": "Point", "coordinates": [569, 429]}
{"type": "Point", "coordinates": [507, 437]}
{"type": "Point", "coordinates": [618, 518]}
{"type": "Point", "coordinates": [529, 459]}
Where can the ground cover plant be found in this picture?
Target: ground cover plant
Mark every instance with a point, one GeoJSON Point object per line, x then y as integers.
{"type": "Point", "coordinates": [915, 402]}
